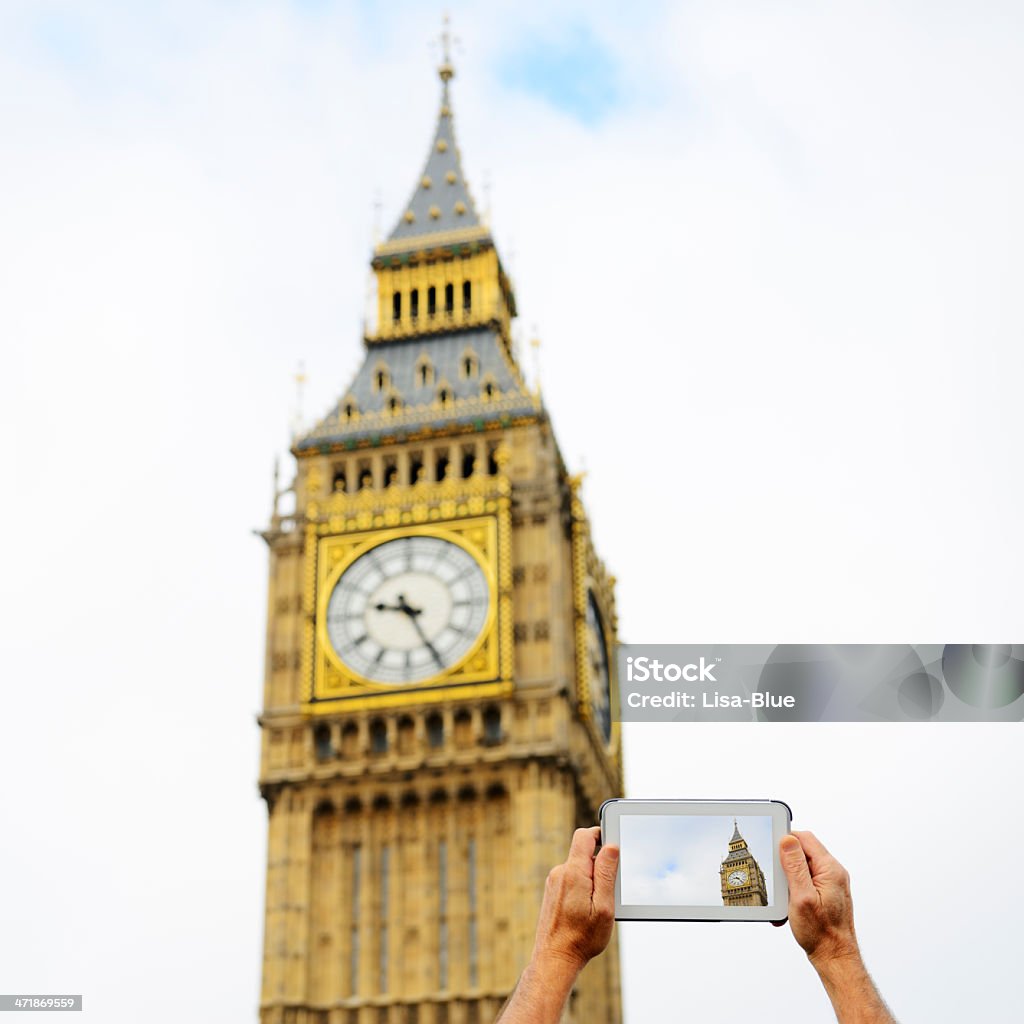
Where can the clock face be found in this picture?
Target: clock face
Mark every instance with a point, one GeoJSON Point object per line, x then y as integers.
{"type": "Point", "coordinates": [738, 878]}
{"type": "Point", "coordinates": [408, 609]}
{"type": "Point", "coordinates": [600, 677]}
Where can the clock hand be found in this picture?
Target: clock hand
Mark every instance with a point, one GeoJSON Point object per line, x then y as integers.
{"type": "Point", "coordinates": [412, 613]}
{"type": "Point", "coordinates": [402, 606]}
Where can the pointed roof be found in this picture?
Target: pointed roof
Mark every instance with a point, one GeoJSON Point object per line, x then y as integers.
{"type": "Point", "coordinates": [441, 202]}
{"type": "Point", "coordinates": [495, 393]}
{"type": "Point", "coordinates": [736, 837]}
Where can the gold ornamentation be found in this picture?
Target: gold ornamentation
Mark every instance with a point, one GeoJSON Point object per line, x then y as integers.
{"type": "Point", "coordinates": [435, 212]}
{"type": "Point", "coordinates": [460, 207]}
{"type": "Point", "coordinates": [484, 669]}
{"type": "Point", "coordinates": [426, 181]}
{"type": "Point", "coordinates": [474, 233]}
{"type": "Point", "coordinates": [450, 177]}
{"type": "Point", "coordinates": [409, 216]}
{"type": "Point", "coordinates": [442, 146]}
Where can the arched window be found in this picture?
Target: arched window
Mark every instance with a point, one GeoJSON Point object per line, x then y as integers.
{"type": "Point", "coordinates": [488, 390]}
{"type": "Point", "coordinates": [444, 396]}
{"type": "Point", "coordinates": [396, 306]}
{"type": "Point", "coordinates": [378, 736]}
{"type": "Point", "coordinates": [381, 377]}
{"type": "Point", "coordinates": [390, 475]}
{"type": "Point", "coordinates": [492, 725]}
{"type": "Point", "coordinates": [468, 463]}
{"type": "Point", "coordinates": [463, 729]}
{"type": "Point", "coordinates": [492, 460]}
{"type": "Point", "coordinates": [441, 466]}
{"type": "Point", "coordinates": [449, 298]}
{"type": "Point", "coordinates": [415, 468]}
{"type": "Point", "coordinates": [435, 731]}
{"type": "Point", "coordinates": [349, 409]}
{"type": "Point", "coordinates": [323, 743]}
{"type": "Point", "coordinates": [394, 404]}
{"type": "Point", "coordinates": [431, 301]}
{"type": "Point", "coordinates": [467, 296]}
{"type": "Point", "coordinates": [414, 303]}
{"type": "Point", "coordinates": [469, 363]}
{"type": "Point", "coordinates": [406, 735]}
{"type": "Point", "coordinates": [338, 482]}
{"type": "Point", "coordinates": [350, 741]}
{"type": "Point", "coordinates": [424, 372]}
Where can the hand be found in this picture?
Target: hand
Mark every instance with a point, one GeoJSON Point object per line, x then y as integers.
{"type": "Point", "coordinates": [821, 919]}
{"type": "Point", "coordinates": [820, 907]}
{"type": "Point", "coordinates": [412, 613]}
{"type": "Point", "coordinates": [576, 921]}
{"type": "Point", "coordinates": [578, 912]}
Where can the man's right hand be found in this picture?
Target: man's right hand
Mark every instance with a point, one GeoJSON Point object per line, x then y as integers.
{"type": "Point", "coordinates": [821, 919]}
{"type": "Point", "coordinates": [820, 908]}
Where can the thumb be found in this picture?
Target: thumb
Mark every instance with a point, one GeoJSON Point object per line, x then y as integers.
{"type": "Point", "coordinates": [606, 867]}
{"type": "Point", "coordinates": [794, 864]}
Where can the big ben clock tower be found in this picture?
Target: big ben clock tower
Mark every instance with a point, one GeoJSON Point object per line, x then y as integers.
{"type": "Point", "coordinates": [439, 674]}
{"type": "Point", "coordinates": [743, 882]}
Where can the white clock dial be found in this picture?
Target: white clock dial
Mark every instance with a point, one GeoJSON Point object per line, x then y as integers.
{"type": "Point", "coordinates": [408, 609]}
{"type": "Point", "coordinates": [738, 878]}
{"type": "Point", "coordinates": [600, 676]}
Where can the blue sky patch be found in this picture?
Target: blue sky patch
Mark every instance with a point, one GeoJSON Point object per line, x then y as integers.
{"type": "Point", "coordinates": [575, 73]}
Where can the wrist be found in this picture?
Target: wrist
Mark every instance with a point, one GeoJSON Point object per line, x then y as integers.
{"type": "Point", "coordinates": [554, 967]}
{"type": "Point", "coordinates": [837, 963]}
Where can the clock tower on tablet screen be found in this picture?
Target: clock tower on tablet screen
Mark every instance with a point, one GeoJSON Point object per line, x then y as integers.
{"type": "Point", "coordinates": [743, 883]}
{"type": "Point", "coordinates": [439, 673]}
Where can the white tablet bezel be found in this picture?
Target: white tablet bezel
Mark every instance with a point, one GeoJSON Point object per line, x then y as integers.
{"type": "Point", "coordinates": [612, 811]}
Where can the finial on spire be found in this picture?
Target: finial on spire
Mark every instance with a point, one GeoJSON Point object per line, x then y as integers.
{"type": "Point", "coordinates": [446, 69]}
{"type": "Point", "coordinates": [300, 380]}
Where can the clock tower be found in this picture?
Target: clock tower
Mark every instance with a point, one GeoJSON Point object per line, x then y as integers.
{"type": "Point", "coordinates": [743, 882]}
{"type": "Point", "coordinates": [439, 674]}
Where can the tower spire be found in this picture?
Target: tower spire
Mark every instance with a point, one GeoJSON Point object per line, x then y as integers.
{"type": "Point", "coordinates": [441, 202]}
{"type": "Point", "coordinates": [446, 69]}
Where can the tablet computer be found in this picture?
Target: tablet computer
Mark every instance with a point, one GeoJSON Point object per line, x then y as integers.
{"type": "Point", "coordinates": [698, 860]}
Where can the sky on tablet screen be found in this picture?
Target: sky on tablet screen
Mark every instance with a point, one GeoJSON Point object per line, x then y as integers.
{"type": "Point", "coordinates": [674, 860]}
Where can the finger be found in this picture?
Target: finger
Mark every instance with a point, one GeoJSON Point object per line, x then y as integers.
{"type": "Point", "coordinates": [606, 867]}
{"type": "Point", "coordinates": [812, 845]}
{"type": "Point", "coordinates": [794, 865]}
{"type": "Point", "coordinates": [817, 856]}
{"type": "Point", "coordinates": [581, 850]}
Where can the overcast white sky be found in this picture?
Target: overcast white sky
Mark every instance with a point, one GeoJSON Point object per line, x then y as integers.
{"type": "Point", "coordinates": [773, 253]}
{"type": "Point", "coordinates": [676, 861]}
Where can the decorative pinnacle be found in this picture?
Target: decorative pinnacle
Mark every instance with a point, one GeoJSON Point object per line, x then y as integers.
{"type": "Point", "coordinates": [446, 69]}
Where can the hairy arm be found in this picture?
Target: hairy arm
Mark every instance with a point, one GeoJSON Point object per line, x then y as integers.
{"type": "Point", "coordinates": [576, 921]}
{"type": "Point", "coordinates": [821, 919]}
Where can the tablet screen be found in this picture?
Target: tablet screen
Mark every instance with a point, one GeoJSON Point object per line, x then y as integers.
{"type": "Point", "coordinates": [696, 860]}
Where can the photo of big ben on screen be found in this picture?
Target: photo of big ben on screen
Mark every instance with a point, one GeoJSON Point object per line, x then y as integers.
{"type": "Point", "coordinates": [743, 882]}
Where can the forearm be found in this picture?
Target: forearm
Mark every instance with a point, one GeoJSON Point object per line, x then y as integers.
{"type": "Point", "coordinates": [541, 994]}
{"type": "Point", "coordinates": [852, 992]}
